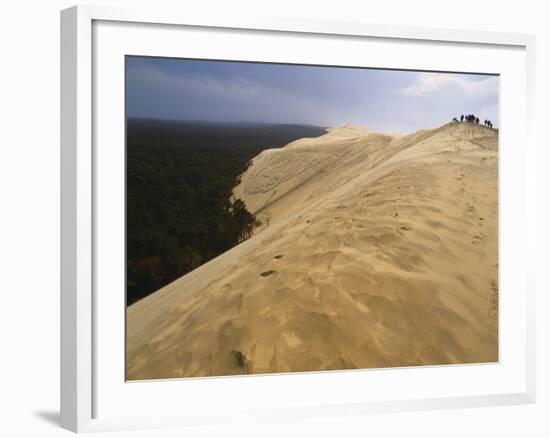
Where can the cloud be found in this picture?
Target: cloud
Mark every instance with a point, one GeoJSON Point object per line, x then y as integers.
{"type": "Point", "coordinates": [157, 93]}
{"type": "Point", "coordinates": [196, 84]}
{"type": "Point", "coordinates": [399, 101]}
{"type": "Point", "coordinates": [429, 83]}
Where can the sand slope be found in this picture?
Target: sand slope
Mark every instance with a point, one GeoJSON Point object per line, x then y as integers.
{"type": "Point", "coordinates": [380, 251]}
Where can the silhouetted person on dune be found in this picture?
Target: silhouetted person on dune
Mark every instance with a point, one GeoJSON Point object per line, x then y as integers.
{"type": "Point", "coordinates": [472, 118]}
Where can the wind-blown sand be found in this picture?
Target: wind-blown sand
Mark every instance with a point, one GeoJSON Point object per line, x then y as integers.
{"type": "Point", "coordinates": [381, 251]}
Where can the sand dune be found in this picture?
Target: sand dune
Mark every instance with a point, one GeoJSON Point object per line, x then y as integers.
{"type": "Point", "coordinates": [380, 251]}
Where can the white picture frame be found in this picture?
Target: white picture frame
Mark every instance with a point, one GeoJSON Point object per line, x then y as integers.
{"type": "Point", "coordinates": [82, 373]}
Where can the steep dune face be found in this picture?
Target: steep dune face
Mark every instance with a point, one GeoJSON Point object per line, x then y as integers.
{"type": "Point", "coordinates": [281, 180]}
{"type": "Point", "coordinates": [380, 251]}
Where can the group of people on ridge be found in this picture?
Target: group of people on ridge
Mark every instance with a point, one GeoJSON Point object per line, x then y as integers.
{"type": "Point", "coordinates": [473, 119]}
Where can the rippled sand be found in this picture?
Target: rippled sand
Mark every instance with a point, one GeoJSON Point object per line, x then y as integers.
{"type": "Point", "coordinates": [381, 251]}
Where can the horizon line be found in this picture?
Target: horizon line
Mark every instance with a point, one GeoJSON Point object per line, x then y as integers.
{"type": "Point", "coordinates": [326, 128]}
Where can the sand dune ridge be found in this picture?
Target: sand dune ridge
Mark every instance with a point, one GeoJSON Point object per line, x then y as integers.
{"type": "Point", "coordinates": [375, 251]}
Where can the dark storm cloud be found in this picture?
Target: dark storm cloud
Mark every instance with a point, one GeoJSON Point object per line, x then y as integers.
{"type": "Point", "coordinates": [382, 100]}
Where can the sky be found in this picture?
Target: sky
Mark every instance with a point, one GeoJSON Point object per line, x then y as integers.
{"type": "Point", "coordinates": [381, 100]}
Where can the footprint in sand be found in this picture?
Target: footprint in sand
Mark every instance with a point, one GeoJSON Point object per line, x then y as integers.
{"type": "Point", "coordinates": [267, 273]}
{"type": "Point", "coordinates": [278, 256]}
{"type": "Point", "coordinates": [478, 239]}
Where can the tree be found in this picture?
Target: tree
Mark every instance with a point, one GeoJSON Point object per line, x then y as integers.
{"type": "Point", "coordinates": [244, 220]}
{"type": "Point", "coordinates": [180, 180]}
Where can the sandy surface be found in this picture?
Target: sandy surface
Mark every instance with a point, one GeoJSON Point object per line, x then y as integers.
{"type": "Point", "coordinates": [380, 251]}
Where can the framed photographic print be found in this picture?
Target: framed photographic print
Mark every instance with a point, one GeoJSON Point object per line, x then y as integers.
{"type": "Point", "coordinates": [252, 209]}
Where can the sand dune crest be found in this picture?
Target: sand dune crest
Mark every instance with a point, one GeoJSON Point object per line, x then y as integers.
{"type": "Point", "coordinates": [380, 251]}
